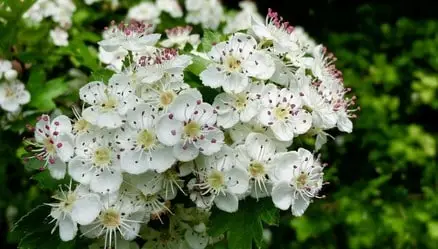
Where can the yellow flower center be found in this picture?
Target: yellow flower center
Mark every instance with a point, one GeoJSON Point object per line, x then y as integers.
{"type": "Point", "coordinates": [110, 218]}
{"type": "Point", "coordinates": [301, 180]}
{"type": "Point", "coordinates": [146, 139]}
{"type": "Point", "coordinates": [232, 64]}
{"type": "Point", "coordinates": [216, 179]}
{"type": "Point", "coordinates": [281, 113]}
{"type": "Point", "coordinates": [192, 129]}
{"type": "Point", "coordinates": [9, 92]}
{"type": "Point", "coordinates": [109, 104]}
{"type": "Point", "coordinates": [257, 169]}
{"type": "Point", "coordinates": [81, 126]}
{"type": "Point", "coordinates": [166, 98]}
{"type": "Point", "coordinates": [102, 157]}
{"type": "Point", "coordinates": [241, 101]}
{"type": "Point", "coordinates": [68, 203]}
{"type": "Point", "coordinates": [50, 146]}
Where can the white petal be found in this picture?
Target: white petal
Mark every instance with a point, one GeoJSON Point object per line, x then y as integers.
{"type": "Point", "coordinates": [235, 82]}
{"type": "Point", "coordinates": [67, 228]}
{"type": "Point", "coordinates": [153, 74]}
{"type": "Point", "coordinates": [237, 180]}
{"type": "Point", "coordinates": [223, 103]}
{"type": "Point", "coordinates": [283, 131]}
{"type": "Point", "coordinates": [142, 117]}
{"type": "Point", "coordinates": [184, 105]}
{"type": "Point", "coordinates": [64, 147]}
{"type": "Point", "coordinates": [186, 152]}
{"type": "Point", "coordinates": [86, 209]}
{"type": "Point", "coordinates": [196, 240]}
{"type": "Point", "coordinates": [169, 130]}
{"type": "Point", "coordinates": [212, 142]}
{"type": "Point", "coordinates": [204, 114]}
{"type": "Point", "coordinates": [250, 111]}
{"type": "Point", "coordinates": [61, 124]}
{"type": "Point", "coordinates": [321, 139]}
{"type": "Point", "coordinates": [79, 171]}
{"type": "Point", "coordinates": [259, 147]}
{"type": "Point", "coordinates": [215, 52]}
{"type": "Point", "coordinates": [344, 124]}
{"type": "Point", "coordinates": [58, 169]}
{"type": "Point", "coordinates": [228, 119]}
{"type": "Point", "coordinates": [109, 119]}
{"type": "Point", "coordinates": [213, 76]}
{"type": "Point", "coordinates": [299, 205]}
{"type": "Point", "coordinates": [106, 181]}
{"type": "Point", "coordinates": [93, 92]}
{"type": "Point", "coordinates": [302, 122]}
{"type": "Point", "coordinates": [282, 195]}
{"type": "Point", "coordinates": [227, 202]}
{"type": "Point", "coordinates": [259, 65]}
{"type": "Point", "coordinates": [135, 162]}
{"type": "Point", "coordinates": [266, 117]}
{"type": "Point", "coordinates": [162, 159]}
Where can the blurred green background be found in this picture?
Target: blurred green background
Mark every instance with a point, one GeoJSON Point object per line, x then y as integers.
{"type": "Point", "coordinates": [383, 190]}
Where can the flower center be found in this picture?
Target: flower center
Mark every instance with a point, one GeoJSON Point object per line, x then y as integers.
{"type": "Point", "coordinates": [192, 129]}
{"type": "Point", "coordinates": [281, 113]}
{"type": "Point", "coordinates": [81, 126]}
{"type": "Point", "coordinates": [9, 92]}
{"type": "Point", "coordinates": [109, 104]}
{"type": "Point", "coordinates": [301, 180]}
{"type": "Point", "coordinates": [166, 98]}
{"type": "Point", "coordinates": [240, 101]}
{"type": "Point", "coordinates": [68, 203]}
{"type": "Point", "coordinates": [102, 157]}
{"type": "Point", "coordinates": [232, 64]}
{"type": "Point", "coordinates": [216, 179]}
{"type": "Point", "coordinates": [257, 169]}
{"type": "Point", "coordinates": [49, 146]}
{"type": "Point", "coordinates": [146, 139]}
{"type": "Point", "coordinates": [110, 218]}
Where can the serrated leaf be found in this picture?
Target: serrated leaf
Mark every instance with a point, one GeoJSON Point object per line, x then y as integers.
{"type": "Point", "coordinates": [46, 181]}
{"type": "Point", "coordinates": [198, 64]}
{"type": "Point", "coordinates": [101, 75]}
{"type": "Point", "coordinates": [42, 92]}
{"type": "Point", "coordinates": [250, 215]}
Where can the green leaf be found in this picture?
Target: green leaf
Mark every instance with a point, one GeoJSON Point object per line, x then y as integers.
{"type": "Point", "coordinates": [46, 181]}
{"type": "Point", "coordinates": [198, 65]}
{"type": "Point", "coordinates": [33, 164]}
{"type": "Point", "coordinates": [43, 93]}
{"type": "Point", "coordinates": [210, 39]}
{"type": "Point", "coordinates": [250, 215]}
{"type": "Point", "coordinates": [101, 75]}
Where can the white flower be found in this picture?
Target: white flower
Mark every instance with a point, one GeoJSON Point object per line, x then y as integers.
{"type": "Point", "coordinates": [189, 127]}
{"type": "Point", "coordinates": [97, 162]}
{"type": "Point", "coordinates": [166, 184]}
{"type": "Point", "coordinates": [114, 220]}
{"type": "Point", "coordinates": [145, 11]}
{"type": "Point", "coordinates": [77, 206]}
{"type": "Point", "coordinates": [180, 36]}
{"type": "Point", "coordinates": [59, 37]}
{"type": "Point", "coordinates": [170, 6]}
{"type": "Point", "coordinates": [297, 181]}
{"type": "Point", "coordinates": [109, 103]}
{"type": "Point", "coordinates": [7, 71]}
{"type": "Point", "coordinates": [114, 59]}
{"type": "Point", "coordinates": [282, 112]}
{"type": "Point", "coordinates": [255, 157]}
{"type": "Point", "coordinates": [163, 63]}
{"type": "Point", "coordinates": [141, 149]}
{"type": "Point", "coordinates": [208, 13]}
{"type": "Point", "coordinates": [242, 20]}
{"type": "Point", "coordinates": [196, 240]}
{"type": "Point", "coordinates": [162, 93]}
{"type": "Point", "coordinates": [298, 34]}
{"type": "Point", "coordinates": [274, 29]}
{"type": "Point", "coordinates": [234, 61]}
{"type": "Point", "coordinates": [221, 180]}
{"type": "Point", "coordinates": [134, 36]}
{"type": "Point", "coordinates": [13, 94]}
{"type": "Point", "coordinates": [232, 108]}
{"type": "Point", "coordinates": [54, 143]}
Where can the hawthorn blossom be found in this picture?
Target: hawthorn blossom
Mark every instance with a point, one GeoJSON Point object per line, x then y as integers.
{"type": "Point", "coordinates": [114, 59]}
{"type": "Point", "coordinates": [162, 93]}
{"type": "Point", "coordinates": [208, 13]}
{"type": "Point", "coordinates": [180, 36]}
{"type": "Point", "coordinates": [234, 61]}
{"type": "Point", "coordinates": [221, 180]}
{"type": "Point", "coordinates": [170, 6]}
{"type": "Point", "coordinates": [13, 95]}
{"type": "Point", "coordinates": [97, 162]}
{"type": "Point", "coordinates": [242, 20]}
{"type": "Point", "coordinates": [232, 108]}
{"type": "Point", "coordinates": [138, 139]}
{"type": "Point", "coordinates": [189, 127]}
{"type": "Point", "coordinates": [59, 37]}
{"type": "Point", "coordinates": [282, 112]}
{"type": "Point", "coordinates": [78, 206]}
{"type": "Point", "coordinates": [7, 71]}
{"type": "Point", "coordinates": [296, 181]}
{"type": "Point", "coordinates": [163, 63]}
{"type": "Point", "coordinates": [134, 36]}
{"type": "Point", "coordinates": [108, 103]}
{"type": "Point", "coordinates": [145, 12]}
{"type": "Point", "coordinates": [53, 143]}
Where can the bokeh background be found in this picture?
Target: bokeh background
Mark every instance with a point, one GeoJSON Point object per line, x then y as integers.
{"type": "Point", "coordinates": [383, 190]}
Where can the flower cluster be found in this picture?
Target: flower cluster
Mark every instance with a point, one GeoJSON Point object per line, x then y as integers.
{"type": "Point", "coordinates": [146, 136]}
{"type": "Point", "coordinates": [60, 12]}
{"type": "Point", "coordinates": [13, 93]}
